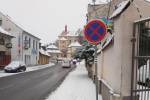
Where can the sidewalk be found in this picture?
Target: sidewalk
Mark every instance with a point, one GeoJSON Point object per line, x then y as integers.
{"type": "Point", "coordinates": [76, 86]}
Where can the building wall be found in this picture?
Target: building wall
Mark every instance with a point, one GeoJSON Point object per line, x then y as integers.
{"type": "Point", "coordinates": [18, 51]}
{"type": "Point", "coordinates": [30, 55]}
{"type": "Point", "coordinates": [117, 58]}
{"type": "Point", "coordinates": [43, 59]}
{"type": "Point", "coordinates": [5, 53]}
{"type": "Point", "coordinates": [98, 12]}
{"type": "Point", "coordinates": [63, 45]}
{"type": "Point", "coordinates": [17, 33]}
{"type": "Point", "coordinates": [128, 20]}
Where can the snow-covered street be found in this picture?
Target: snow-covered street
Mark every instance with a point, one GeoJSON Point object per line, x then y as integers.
{"type": "Point", "coordinates": [76, 86]}
{"type": "Point", "coordinates": [32, 68]}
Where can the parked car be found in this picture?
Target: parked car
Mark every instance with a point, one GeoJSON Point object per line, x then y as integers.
{"type": "Point", "coordinates": [15, 66]}
{"type": "Point", "coordinates": [66, 63]}
{"type": "Point", "coordinates": [74, 61]}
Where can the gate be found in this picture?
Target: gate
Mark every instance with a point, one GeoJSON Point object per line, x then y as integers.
{"type": "Point", "coordinates": [140, 80]}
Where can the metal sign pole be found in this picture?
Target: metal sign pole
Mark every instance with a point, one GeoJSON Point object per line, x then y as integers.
{"type": "Point", "coordinates": [95, 57]}
{"type": "Point", "coordinates": [96, 72]}
{"type": "Point", "coordinates": [94, 36]}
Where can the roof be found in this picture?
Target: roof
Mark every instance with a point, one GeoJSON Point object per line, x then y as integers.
{"type": "Point", "coordinates": [44, 52]}
{"type": "Point", "coordinates": [63, 39]}
{"type": "Point", "coordinates": [31, 35]}
{"type": "Point", "coordinates": [108, 40]}
{"type": "Point", "coordinates": [148, 0]}
{"type": "Point", "coordinates": [120, 8]}
{"type": "Point", "coordinates": [5, 32]}
{"type": "Point", "coordinates": [23, 27]}
{"type": "Point", "coordinates": [72, 34]}
{"type": "Point", "coordinates": [142, 19]}
{"type": "Point", "coordinates": [54, 51]}
{"type": "Point", "coordinates": [52, 47]}
{"type": "Point", "coordinates": [74, 44]}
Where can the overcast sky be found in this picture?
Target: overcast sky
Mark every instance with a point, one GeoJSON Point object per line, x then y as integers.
{"type": "Point", "coordinates": [47, 18]}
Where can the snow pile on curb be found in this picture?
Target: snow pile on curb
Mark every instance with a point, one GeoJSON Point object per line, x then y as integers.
{"type": "Point", "coordinates": [39, 67]}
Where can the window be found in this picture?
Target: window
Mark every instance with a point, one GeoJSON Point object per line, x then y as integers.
{"type": "Point", "coordinates": [2, 41]}
{"type": "Point", "coordinates": [29, 42]}
{"type": "Point", "coordinates": [36, 45]}
{"type": "Point", "coordinates": [33, 44]}
{"type": "Point", "coordinates": [144, 39]}
{"type": "Point", "coordinates": [2, 54]}
{"type": "Point", "coordinates": [25, 38]}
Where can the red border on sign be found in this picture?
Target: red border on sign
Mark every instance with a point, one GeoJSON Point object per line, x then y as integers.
{"type": "Point", "coordinates": [101, 37]}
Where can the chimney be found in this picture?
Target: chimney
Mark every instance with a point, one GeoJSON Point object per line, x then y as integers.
{"type": "Point", "coordinates": [66, 28]}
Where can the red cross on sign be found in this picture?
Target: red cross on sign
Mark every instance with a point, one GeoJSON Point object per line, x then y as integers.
{"type": "Point", "coordinates": [95, 31]}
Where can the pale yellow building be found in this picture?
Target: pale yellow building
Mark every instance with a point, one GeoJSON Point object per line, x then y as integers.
{"type": "Point", "coordinates": [44, 57]}
{"type": "Point", "coordinates": [64, 40]}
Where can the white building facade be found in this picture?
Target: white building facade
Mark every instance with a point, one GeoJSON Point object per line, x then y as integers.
{"type": "Point", "coordinates": [30, 49]}
{"type": "Point", "coordinates": [25, 46]}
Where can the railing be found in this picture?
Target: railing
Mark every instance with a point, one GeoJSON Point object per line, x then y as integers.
{"type": "Point", "coordinates": [140, 86]}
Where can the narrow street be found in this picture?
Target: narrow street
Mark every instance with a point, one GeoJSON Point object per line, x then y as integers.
{"type": "Point", "coordinates": [34, 85]}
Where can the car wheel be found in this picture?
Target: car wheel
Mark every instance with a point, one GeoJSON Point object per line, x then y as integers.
{"type": "Point", "coordinates": [22, 69]}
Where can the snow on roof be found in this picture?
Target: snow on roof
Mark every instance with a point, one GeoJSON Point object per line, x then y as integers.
{"type": "Point", "coordinates": [108, 41]}
{"type": "Point", "coordinates": [44, 52]}
{"type": "Point", "coordinates": [71, 34]}
{"type": "Point", "coordinates": [5, 32]}
{"type": "Point", "coordinates": [63, 39]}
{"type": "Point", "coordinates": [75, 44]}
{"type": "Point", "coordinates": [120, 8]}
{"type": "Point", "coordinates": [142, 19]}
{"type": "Point", "coordinates": [52, 47]}
{"type": "Point", "coordinates": [22, 26]}
{"type": "Point", "coordinates": [53, 51]}
{"type": "Point", "coordinates": [148, 0]}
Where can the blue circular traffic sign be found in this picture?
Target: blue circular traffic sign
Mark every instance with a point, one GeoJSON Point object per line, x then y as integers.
{"type": "Point", "coordinates": [95, 31]}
